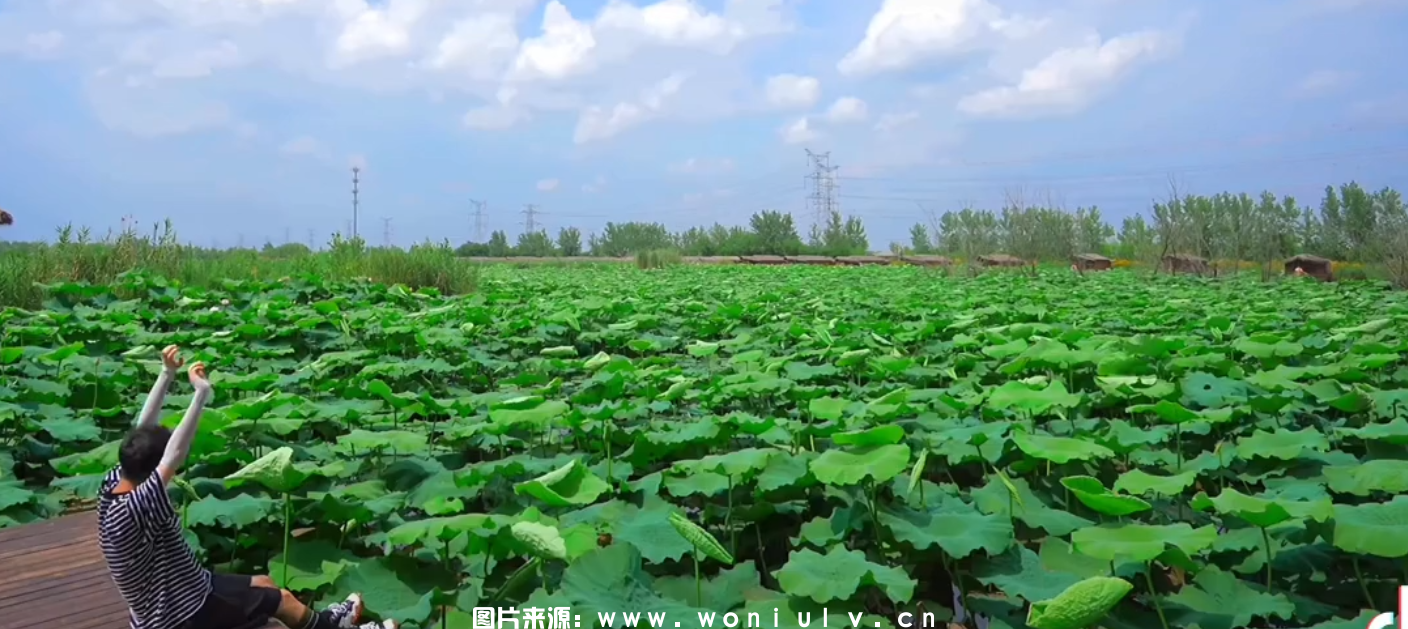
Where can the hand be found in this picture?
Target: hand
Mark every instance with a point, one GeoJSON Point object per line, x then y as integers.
{"type": "Point", "coordinates": [198, 378]}
{"type": "Point", "coordinates": [171, 358]}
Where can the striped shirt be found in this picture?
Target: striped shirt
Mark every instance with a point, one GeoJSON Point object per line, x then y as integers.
{"type": "Point", "coordinates": [152, 566]}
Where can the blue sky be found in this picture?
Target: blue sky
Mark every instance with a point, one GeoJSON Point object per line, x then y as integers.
{"type": "Point", "coordinates": [239, 119]}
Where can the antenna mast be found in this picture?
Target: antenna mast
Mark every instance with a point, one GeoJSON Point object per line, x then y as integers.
{"type": "Point", "coordinates": [356, 171]}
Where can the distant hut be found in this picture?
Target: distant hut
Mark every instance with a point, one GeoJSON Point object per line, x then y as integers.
{"type": "Point", "coordinates": [859, 260]}
{"type": "Point", "coordinates": [1092, 262]}
{"type": "Point", "coordinates": [1000, 259]}
{"type": "Point", "coordinates": [927, 260]}
{"type": "Point", "coordinates": [762, 259]}
{"type": "Point", "coordinates": [1314, 266]}
{"type": "Point", "coordinates": [1185, 263]}
{"type": "Point", "coordinates": [812, 260]}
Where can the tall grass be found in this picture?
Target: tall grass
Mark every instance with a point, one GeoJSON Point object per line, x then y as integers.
{"type": "Point", "coordinates": [78, 257]}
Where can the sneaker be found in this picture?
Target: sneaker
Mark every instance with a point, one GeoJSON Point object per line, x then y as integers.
{"type": "Point", "coordinates": [385, 624]}
{"type": "Point", "coordinates": [346, 614]}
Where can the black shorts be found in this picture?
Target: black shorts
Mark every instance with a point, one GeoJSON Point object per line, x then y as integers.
{"type": "Point", "coordinates": [235, 603]}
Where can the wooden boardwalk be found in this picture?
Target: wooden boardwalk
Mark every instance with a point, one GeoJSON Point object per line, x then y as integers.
{"type": "Point", "coordinates": [54, 577]}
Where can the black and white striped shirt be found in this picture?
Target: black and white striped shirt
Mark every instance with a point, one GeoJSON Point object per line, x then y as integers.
{"type": "Point", "coordinates": [154, 569]}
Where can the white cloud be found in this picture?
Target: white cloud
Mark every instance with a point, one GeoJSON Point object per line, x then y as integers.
{"type": "Point", "coordinates": [478, 47]}
{"type": "Point", "coordinates": [563, 49]}
{"type": "Point", "coordinates": [494, 117]}
{"type": "Point", "coordinates": [599, 123]}
{"type": "Point", "coordinates": [799, 132]}
{"type": "Point", "coordinates": [893, 121]}
{"type": "Point", "coordinates": [198, 63]}
{"type": "Point", "coordinates": [471, 48]}
{"type": "Point", "coordinates": [1069, 79]}
{"type": "Point", "coordinates": [570, 47]}
{"type": "Point", "coordinates": [304, 145]}
{"type": "Point", "coordinates": [505, 113]}
{"type": "Point", "coordinates": [698, 166]}
{"type": "Point", "coordinates": [904, 33]}
{"type": "Point", "coordinates": [548, 185]}
{"type": "Point", "coordinates": [36, 45]}
{"type": "Point", "coordinates": [124, 103]}
{"type": "Point", "coordinates": [595, 186]}
{"type": "Point", "coordinates": [847, 109]}
{"type": "Point", "coordinates": [1322, 82]}
{"type": "Point", "coordinates": [790, 91]}
{"type": "Point", "coordinates": [376, 33]}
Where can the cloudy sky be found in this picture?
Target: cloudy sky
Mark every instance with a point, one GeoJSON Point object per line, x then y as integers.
{"type": "Point", "coordinates": [240, 119]}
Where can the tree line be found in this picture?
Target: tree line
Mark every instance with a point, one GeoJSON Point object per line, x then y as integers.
{"type": "Point", "coordinates": [768, 232]}
{"type": "Point", "coordinates": [1349, 223]}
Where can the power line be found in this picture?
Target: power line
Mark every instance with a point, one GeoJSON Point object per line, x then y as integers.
{"type": "Point", "coordinates": [478, 219]}
{"type": "Point", "coordinates": [529, 225]}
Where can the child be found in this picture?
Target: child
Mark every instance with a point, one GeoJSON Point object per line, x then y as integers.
{"type": "Point", "coordinates": [140, 533]}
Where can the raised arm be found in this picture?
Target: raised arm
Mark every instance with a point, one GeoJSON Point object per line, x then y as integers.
{"type": "Point", "coordinates": [151, 411]}
{"type": "Point", "coordinates": [179, 446]}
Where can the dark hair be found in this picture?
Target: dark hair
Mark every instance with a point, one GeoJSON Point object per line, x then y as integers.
{"type": "Point", "coordinates": [141, 452]}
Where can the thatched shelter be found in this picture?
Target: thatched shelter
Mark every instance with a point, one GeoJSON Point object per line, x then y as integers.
{"type": "Point", "coordinates": [1314, 266]}
{"type": "Point", "coordinates": [928, 260]}
{"type": "Point", "coordinates": [1000, 259]}
{"type": "Point", "coordinates": [762, 259]}
{"type": "Point", "coordinates": [859, 260]}
{"type": "Point", "coordinates": [1185, 263]}
{"type": "Point", "coordinates": [1092, 262]}
{"type": "Point", "coordinates": [814, 260]}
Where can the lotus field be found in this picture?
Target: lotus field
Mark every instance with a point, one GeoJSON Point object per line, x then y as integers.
{"type": "Point", "coordinates": [891, 445]}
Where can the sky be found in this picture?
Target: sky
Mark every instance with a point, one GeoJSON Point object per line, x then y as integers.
{"type": "Point", "coordinates": [240, 120]}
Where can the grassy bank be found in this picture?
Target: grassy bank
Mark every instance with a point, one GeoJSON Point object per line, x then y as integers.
{"type": "Point", "coordinates": [78, 257]}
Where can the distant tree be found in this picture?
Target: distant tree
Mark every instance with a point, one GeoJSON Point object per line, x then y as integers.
{"type": "Point", "coordinates": [775, 233]}
{"type": "Point", "coordinates": [498, 245]}
{"type": "Point", "coordinates": [628, 239]}
{"type": "Point", "coordinates": [473, 250]}
{"type": "Point", "coordinates": [569, 241]}
{"type": "Point", "coordinates": [919, 241]}
{"type": "Point", "coordinates": [535, 244]}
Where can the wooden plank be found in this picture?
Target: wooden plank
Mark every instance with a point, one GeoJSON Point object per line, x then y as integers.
{"type": "Point", "coordinates": [55, 577]}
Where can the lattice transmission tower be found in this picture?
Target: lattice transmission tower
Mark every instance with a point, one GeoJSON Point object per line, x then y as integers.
{"type": "Point", "coordinates": [478, 219]}
{"type": "Point", "coordinates": [822, 199]}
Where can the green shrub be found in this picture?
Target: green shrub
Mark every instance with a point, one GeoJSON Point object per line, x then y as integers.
{"type": "Point", "coordinates": [658, 258]}
{"type": "Point", "coordinates": [75, 256]}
